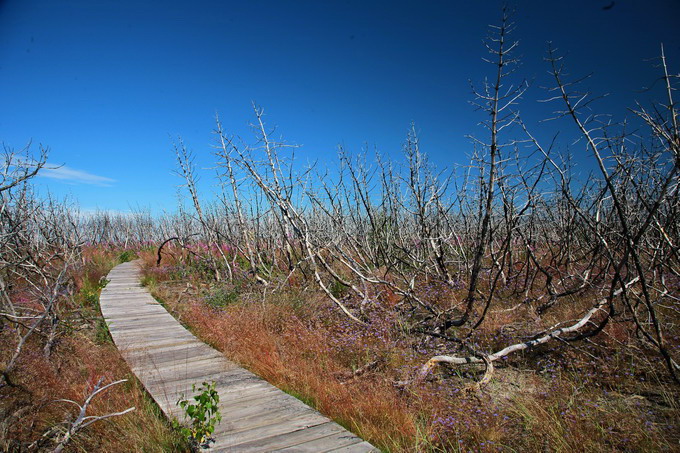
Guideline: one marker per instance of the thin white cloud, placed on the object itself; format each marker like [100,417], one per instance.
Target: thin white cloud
[67,174]
[94,212]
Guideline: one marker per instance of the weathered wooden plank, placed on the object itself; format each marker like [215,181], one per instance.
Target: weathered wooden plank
[252,391]
[257,416]
[257,406]
[361,447]
[174,390]
[143,346]
[271,420]
[169,360]
[194,362]
[316,445]
[339,438]
[179,372]
[219,377]
[159,356]
[232,439]
[292,440]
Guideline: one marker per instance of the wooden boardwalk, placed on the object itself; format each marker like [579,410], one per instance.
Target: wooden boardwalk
[168,359]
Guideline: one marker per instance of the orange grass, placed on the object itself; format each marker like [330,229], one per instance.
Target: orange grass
[283,350]
[76,366]
[558,398]
[82,355]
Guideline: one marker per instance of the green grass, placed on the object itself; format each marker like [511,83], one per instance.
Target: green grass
[126,256]
[221,297]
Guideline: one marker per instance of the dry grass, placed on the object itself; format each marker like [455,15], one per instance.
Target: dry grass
[77,365]
[582,397]
[83,354]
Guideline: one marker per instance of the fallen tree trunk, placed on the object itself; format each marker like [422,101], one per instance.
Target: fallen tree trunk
[174,238]
[489,359]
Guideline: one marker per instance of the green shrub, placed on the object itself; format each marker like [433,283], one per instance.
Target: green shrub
[101,334]
[203,415]
[242,262]
[126,256]
[89,292]
[221,297]
[148,281]
[337,289]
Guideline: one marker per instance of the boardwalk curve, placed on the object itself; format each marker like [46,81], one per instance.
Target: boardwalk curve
[168,359]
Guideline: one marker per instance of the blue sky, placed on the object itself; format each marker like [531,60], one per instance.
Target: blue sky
[107,84]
